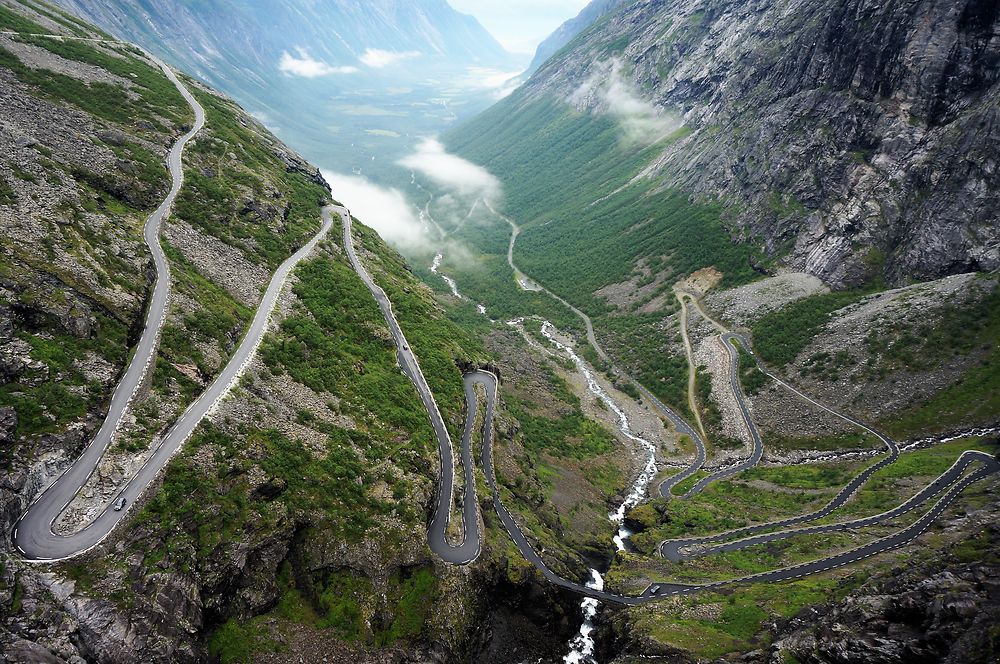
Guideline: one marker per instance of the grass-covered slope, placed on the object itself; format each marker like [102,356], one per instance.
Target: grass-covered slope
[248,202]
[591,223]
[364,416]
[569,179]
[86,129]
[311,486]
[301,506]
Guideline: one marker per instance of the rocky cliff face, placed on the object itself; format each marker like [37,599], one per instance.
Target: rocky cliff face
[944,617]
[853,139]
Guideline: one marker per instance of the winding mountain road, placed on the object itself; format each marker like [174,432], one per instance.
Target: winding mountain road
[949,485]
[673,549]
[684,549]
[729,340]
[33,535]
[34,538]
[469,549]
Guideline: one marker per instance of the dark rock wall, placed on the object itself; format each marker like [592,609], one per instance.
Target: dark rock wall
[853,139]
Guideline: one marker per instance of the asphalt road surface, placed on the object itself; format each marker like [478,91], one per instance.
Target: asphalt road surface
[757,451]
[469,548]
[32,535]
[673,549]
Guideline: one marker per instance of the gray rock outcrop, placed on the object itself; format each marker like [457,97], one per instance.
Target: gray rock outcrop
[852,139]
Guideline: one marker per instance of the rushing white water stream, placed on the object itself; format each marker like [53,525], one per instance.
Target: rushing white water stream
[641,485]
[452,284]
[448,280]
[936,440]
[582,645]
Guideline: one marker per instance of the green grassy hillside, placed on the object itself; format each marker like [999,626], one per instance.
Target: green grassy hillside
[571,181]
[567,178]
[83,169]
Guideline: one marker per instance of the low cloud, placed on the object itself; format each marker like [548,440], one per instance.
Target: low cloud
[608,90]
[308,67]
[377,58]
[455,174]
[500,83]
[261,116]
[460,188]
[384,209]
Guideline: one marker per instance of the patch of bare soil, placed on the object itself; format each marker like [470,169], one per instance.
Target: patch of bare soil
[741,306]
[876,397]
[700,282]
[699,328]
[576,498]
[637,293]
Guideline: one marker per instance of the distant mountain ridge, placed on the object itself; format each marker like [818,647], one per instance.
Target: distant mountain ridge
[565,33]
[337,79]
[254,34]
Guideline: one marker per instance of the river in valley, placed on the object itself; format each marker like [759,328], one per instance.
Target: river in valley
[582,645]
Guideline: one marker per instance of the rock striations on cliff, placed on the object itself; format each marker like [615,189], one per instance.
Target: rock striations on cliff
[853,139]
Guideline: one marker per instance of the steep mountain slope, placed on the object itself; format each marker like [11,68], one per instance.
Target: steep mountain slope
[570,29]
[674,137]
[86,131]
[296,515]
[343,78]
[853,140]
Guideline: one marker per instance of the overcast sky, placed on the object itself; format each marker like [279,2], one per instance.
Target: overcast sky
[520,24]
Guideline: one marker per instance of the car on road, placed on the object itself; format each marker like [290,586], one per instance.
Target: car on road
[119,504]
[654,590]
